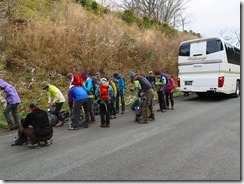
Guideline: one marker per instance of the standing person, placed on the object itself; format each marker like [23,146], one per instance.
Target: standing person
[162,84]
[56,99]
[169,93]
[146,87]
[13,100]
[151,79]
[77,97]
[75,79]
[104,92]
[121,92]
[89,87]
[40,129]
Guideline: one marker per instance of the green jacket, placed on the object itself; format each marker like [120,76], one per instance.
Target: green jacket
[160,82]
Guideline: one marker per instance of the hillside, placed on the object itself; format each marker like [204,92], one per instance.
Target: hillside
[44,40]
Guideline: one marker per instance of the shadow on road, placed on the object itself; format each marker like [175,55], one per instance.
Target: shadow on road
[208,97]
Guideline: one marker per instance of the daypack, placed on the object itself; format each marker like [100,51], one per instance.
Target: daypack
[104,91]
[115,87]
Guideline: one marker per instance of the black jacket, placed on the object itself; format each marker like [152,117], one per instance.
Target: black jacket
[39,120]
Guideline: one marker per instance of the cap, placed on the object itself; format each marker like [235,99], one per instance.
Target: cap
[44,85]
[150,72]
[97,74]
[84,75]
[33,104]
[103,79]
[132,74]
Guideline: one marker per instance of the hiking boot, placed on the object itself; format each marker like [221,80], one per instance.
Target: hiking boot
[85,125]
[103,125]
[48,142]
[167,108]
[159,110]
[36,145]
[73,128]
[113,117]
[122,112]
[60,123]
[107,125]
[163,110]
[152,117]
[15,127]
[142,122]
[9,126]
[91,122]
[172,108]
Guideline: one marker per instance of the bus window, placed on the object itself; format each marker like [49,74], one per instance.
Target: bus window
[214,46]
[184,50]
[230,53]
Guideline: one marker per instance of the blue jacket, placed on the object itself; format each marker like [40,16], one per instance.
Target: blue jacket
[76,93]
[165,87]
[121,85]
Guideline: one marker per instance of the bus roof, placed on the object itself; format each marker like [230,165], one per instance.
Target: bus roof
[206,39]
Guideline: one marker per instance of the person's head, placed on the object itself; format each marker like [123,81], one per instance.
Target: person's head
[116,75]
[98,76]
[157,74]
[33,106]
[150,73]
[84,76]
[45,85]
[69,76]
[133,76]
[103,80]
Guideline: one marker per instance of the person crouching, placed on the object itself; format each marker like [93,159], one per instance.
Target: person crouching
[41,129]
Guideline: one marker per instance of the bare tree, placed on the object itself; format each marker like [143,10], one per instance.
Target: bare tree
[165,11]
[232,36]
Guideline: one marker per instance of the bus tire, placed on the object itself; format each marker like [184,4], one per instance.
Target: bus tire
[237,92]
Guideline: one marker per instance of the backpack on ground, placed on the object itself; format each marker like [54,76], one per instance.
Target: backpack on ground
[104,91]
[21,137]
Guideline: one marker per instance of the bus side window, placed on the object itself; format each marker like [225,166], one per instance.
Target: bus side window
[184,50]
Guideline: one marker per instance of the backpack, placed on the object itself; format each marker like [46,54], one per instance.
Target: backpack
[104,91]
[115,87]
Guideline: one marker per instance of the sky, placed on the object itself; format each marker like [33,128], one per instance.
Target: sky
[210,17]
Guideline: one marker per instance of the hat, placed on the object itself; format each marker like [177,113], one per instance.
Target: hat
[84,75]
[44,85]
[104,80]
[69,75]
[150,72]
[33,104]
[132,74]
[97,74]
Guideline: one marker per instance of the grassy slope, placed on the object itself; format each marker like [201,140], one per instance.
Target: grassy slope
[47,39]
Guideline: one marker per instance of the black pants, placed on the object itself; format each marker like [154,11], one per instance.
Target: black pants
[105,113]
[58,107]
[169,96]
[118,99]
[77,110]
[112,107]
[161,100]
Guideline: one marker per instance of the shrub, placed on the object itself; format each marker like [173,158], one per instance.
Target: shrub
[94,6]
[129,17]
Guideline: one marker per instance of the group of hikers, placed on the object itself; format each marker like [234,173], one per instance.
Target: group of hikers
[85,91]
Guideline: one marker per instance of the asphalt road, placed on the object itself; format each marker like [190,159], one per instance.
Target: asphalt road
[199,140]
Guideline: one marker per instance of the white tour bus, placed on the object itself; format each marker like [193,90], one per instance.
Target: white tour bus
[209,65]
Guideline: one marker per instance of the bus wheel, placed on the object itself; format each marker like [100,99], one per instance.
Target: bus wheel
[237,92]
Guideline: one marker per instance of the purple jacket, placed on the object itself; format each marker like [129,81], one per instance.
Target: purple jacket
[12,96]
